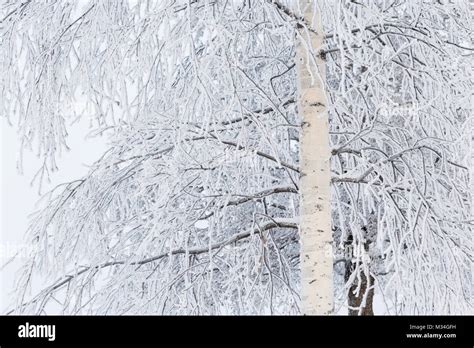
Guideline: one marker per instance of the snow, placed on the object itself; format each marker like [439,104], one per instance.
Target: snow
[200,129]
[202,224]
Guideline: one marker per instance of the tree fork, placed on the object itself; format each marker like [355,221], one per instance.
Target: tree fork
[355,300]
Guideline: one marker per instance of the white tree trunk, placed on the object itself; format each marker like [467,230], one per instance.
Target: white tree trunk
[315,224]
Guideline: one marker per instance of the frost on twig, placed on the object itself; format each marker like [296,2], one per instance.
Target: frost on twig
[197,100]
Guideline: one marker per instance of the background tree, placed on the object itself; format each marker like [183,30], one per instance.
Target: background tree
[398,85]
[194,209]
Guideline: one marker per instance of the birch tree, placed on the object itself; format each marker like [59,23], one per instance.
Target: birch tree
[204,196]
[315,190]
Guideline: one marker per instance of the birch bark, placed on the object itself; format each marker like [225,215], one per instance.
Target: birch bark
[315,225]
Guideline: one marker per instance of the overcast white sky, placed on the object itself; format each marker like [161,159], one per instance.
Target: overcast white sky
[18,197]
